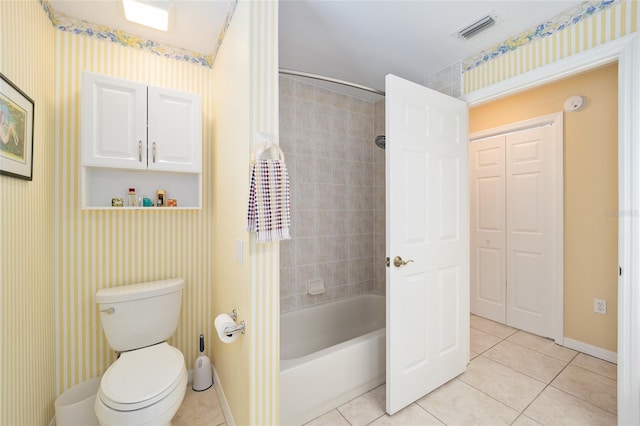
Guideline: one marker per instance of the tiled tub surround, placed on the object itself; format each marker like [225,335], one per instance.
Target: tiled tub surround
[328,141]
[379,205]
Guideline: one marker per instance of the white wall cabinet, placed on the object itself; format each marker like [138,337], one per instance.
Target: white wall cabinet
[130,127]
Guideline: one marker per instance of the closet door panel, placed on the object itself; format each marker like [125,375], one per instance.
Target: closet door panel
[529,229]
[487,192]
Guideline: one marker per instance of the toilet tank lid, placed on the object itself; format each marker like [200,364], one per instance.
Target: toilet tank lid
[139,291]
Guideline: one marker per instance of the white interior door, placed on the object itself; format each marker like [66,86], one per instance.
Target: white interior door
[488,233]
[531,225]
[516,225]
[427,224]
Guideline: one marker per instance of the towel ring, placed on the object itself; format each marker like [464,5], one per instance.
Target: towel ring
[265,149]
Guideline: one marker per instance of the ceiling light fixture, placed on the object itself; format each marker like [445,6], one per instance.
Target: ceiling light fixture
[477,27]
[154,14]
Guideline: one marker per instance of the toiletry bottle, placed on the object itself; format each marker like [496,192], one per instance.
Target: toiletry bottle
[133,201]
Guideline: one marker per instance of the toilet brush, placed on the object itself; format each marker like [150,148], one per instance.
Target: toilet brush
[202,379]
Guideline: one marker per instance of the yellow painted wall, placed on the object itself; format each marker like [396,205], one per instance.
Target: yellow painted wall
[246,87]
[231,109]
[27,329]
[590,193]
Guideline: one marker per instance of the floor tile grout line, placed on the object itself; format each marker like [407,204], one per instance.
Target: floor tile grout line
[491,334]
[546,385]
[583,400]
[521,372]
[544,353]
[430,413]
[490,396]
[490,347]
[563,391]
[343,416]
[591,371]
[516,343]
[577,396]
[525,373]
[567,363]
[379,417]
[499,325]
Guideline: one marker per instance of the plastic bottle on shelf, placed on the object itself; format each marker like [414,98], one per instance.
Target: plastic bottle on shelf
[133,201]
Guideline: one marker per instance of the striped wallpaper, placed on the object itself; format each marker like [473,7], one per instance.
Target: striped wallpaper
[265,263]
[27,333]
[614,22]
[246,96]
[104,248]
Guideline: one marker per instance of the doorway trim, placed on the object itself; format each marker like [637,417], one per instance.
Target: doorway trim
[625,50]
[556,120]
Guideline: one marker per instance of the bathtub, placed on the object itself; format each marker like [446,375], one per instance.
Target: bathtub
[330,354]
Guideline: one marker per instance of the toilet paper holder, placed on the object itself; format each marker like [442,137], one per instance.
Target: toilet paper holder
[238,328]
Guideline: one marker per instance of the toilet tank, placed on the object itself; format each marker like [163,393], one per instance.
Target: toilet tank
[138,315]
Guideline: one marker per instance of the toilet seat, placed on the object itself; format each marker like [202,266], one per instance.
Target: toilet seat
[142,377]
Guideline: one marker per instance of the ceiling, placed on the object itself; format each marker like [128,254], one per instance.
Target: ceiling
[358,41]
[194,25]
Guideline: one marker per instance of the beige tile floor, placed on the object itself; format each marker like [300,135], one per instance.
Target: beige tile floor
[199,409]
[514,378]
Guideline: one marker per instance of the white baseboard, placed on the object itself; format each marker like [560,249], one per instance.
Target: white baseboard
[591,350]
[224,404]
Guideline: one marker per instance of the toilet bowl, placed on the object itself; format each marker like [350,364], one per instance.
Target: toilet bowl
[148,381]
[143,387]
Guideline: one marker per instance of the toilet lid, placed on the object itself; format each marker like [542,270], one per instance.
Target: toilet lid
[141,377]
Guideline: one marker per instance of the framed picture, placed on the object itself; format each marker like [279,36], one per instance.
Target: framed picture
[16,131]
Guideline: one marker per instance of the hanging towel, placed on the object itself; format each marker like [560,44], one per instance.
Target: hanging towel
[269,213]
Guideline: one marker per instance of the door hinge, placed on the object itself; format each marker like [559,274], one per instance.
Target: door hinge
[619,271]
[388,262]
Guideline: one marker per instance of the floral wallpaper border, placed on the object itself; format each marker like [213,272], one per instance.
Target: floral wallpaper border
[80,27]
[545,29]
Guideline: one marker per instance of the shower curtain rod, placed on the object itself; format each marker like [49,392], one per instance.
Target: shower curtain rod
[331,80]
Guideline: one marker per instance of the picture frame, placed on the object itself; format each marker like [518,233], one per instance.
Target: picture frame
[16,131]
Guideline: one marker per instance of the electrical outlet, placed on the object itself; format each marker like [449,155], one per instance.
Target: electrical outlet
[599,306]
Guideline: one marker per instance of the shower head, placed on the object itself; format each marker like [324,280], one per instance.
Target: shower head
[381,141]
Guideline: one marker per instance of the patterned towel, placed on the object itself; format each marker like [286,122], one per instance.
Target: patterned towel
[269,213]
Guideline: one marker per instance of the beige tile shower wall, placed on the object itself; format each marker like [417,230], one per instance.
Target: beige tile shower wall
[328,139]
[379,203]
[27,332]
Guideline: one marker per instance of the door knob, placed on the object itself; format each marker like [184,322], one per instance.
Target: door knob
[398,262]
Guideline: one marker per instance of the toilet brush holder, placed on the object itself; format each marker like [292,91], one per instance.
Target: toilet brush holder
[202,378]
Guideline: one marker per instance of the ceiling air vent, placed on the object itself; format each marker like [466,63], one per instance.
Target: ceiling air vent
[477,27]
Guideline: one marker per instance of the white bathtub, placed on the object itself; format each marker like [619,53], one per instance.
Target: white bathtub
[329,354]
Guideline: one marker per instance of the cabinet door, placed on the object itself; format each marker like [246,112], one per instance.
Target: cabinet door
[113,120]
[175,132]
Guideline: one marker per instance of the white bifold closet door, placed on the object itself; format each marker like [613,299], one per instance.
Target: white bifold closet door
[513,223]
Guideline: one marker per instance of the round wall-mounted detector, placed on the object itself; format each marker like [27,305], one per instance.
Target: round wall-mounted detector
[574,103]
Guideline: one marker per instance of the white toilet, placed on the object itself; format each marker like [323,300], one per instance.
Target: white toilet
[147,383]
